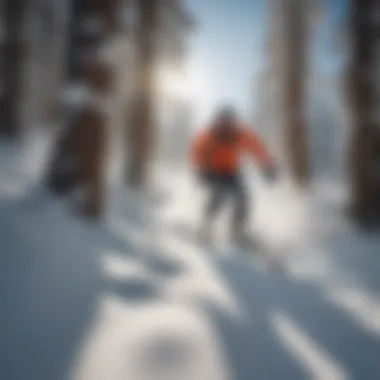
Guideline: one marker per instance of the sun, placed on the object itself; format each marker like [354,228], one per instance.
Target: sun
[175,83]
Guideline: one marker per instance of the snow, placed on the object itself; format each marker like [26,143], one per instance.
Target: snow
[130,298]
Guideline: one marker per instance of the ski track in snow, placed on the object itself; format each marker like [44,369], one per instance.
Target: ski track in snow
[164,308]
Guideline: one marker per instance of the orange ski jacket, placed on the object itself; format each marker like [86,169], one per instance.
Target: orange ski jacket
[210,154]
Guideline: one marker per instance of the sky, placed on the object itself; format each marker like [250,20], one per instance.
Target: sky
[227,50]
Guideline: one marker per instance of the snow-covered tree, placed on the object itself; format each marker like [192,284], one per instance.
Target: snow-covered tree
[79,156]
[363,81]
[12,58]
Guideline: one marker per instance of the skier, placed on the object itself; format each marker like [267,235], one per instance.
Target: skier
[215,155]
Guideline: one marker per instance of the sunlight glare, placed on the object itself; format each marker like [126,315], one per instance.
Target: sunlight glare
[176,84]
[187,84]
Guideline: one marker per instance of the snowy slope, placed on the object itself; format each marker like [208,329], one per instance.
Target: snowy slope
[132,298]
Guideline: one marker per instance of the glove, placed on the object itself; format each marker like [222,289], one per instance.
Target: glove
[270,172]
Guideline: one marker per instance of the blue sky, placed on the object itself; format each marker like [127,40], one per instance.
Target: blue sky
[325,55]
[227,49]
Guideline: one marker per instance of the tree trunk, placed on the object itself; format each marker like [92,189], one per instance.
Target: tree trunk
[365,146]
[80,151]
[12,64]
[53,66]
[295,13]
[62,174]
[141,129]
